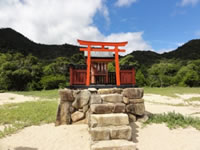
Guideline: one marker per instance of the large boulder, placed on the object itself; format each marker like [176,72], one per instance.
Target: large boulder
[81,99]
[133,93]
[136,109]
[66,95]
[112,98]
[76,116]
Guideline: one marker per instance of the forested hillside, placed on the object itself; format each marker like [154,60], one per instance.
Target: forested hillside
[26,65]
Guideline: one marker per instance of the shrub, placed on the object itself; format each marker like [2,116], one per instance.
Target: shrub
[52,81]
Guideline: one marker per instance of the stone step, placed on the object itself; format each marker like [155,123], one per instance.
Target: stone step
[114,145]
[107,108]
[103,120]
[111,132]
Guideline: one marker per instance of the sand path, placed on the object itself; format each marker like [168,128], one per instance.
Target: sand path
[7,98]
[160,137]
[163,104]
[49,137]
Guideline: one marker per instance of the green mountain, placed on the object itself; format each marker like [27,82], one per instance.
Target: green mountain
[188,51]
[12,41]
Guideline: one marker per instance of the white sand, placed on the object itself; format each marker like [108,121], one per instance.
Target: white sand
[7,98]
[76,137]
[49,137]
[160,137]
[180,99]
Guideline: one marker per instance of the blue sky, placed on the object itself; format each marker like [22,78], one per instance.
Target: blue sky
[166,23]
[158,25]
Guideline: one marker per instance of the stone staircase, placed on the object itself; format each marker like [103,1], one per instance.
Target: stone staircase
[111,132]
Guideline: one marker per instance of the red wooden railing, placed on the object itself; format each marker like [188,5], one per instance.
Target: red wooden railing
[78,77]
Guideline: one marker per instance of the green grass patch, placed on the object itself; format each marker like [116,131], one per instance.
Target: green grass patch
[18,116]
[44,94]
[193,99]
[174,120]
[171,91]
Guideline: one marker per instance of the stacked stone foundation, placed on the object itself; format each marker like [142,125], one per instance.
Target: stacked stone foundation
[108,112]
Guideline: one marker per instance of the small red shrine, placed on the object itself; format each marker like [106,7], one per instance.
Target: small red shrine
[96,73]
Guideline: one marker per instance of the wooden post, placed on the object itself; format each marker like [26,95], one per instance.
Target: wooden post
[71,75]
[133,74]
[117,66]
[88,66]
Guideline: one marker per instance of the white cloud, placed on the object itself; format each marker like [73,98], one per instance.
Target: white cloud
[189,2]
[63,21]
[121,3]
[135,41]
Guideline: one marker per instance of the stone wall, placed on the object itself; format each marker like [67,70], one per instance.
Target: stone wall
[108,112]
[76,105]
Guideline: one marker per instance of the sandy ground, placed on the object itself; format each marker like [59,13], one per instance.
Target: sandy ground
[7,98]
[49,137]
[160,137]
[163,104]
[76,137]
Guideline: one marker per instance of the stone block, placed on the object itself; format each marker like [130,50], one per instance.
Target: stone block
[136,109]
[66,95]
[121,132]
[143,118]
[102,120]
[112,98]
[119,108]
[110,91]
[85,108]
[105,91]
[135,101]
[99,133]
[133,93]
[95,99]
[132,118]
[76,116]
[102,108]
[63,114]
[81,99]
[114,145]
[125,100]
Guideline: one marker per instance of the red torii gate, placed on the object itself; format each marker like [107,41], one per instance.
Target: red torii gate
[89,48]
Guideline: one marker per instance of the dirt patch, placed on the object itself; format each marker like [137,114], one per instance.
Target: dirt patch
[7,98]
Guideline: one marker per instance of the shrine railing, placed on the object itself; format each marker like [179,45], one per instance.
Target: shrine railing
[78,76]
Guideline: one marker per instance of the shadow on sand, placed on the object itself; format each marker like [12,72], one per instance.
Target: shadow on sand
[25,148]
